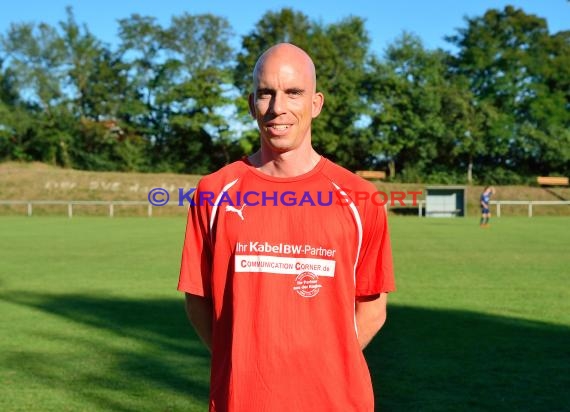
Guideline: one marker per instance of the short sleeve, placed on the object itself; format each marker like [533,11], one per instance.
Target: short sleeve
[375,270]
[196,265]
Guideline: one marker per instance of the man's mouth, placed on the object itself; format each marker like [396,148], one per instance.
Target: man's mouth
[279,127]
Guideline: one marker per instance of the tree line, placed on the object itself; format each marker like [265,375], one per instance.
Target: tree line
[174,98]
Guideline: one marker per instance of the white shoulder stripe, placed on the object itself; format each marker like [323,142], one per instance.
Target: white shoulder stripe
[217,201]
[358,221]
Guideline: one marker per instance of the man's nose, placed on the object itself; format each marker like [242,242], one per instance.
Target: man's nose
[279,103]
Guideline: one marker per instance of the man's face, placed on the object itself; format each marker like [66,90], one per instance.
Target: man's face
[284,102]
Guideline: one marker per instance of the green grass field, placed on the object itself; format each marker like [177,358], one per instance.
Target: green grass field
[91,320]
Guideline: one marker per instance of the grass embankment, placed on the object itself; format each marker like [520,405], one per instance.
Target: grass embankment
[91,320]
[35,181]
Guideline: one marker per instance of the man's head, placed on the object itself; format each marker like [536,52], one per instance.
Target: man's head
[284,99]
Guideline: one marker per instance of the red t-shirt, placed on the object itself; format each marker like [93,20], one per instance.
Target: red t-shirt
[282,260]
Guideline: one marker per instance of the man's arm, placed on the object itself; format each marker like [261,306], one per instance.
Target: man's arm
[370,316]
[200,312]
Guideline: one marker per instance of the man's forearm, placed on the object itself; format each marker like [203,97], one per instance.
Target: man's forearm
[370,317]
[200,312]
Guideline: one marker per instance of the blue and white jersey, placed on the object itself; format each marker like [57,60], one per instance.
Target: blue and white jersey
[485,197]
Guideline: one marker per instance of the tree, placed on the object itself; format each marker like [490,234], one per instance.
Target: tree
[96,80]
[182,75]
[10,145]
[407,92]
[467,123]
[516,67]
[201,95]
[101,101]
[35,54]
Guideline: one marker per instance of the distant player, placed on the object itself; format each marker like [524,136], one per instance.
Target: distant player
[485,212]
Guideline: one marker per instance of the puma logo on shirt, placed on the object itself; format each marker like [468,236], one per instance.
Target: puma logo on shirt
[238,211]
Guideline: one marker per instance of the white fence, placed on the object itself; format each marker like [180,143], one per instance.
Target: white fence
[112,203]
[499,203]
[70,203]
[528,203]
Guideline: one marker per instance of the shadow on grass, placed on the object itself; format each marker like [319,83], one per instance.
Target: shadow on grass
[450,360]
[135,349]
[423,360]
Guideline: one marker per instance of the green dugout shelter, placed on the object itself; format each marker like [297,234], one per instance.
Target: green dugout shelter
[446,201]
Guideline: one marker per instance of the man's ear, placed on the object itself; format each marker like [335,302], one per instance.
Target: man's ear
[318,101]
[251,103]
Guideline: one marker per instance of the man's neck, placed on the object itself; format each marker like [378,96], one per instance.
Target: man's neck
[288,164]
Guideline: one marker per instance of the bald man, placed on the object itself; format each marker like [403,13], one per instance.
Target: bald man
[285,272]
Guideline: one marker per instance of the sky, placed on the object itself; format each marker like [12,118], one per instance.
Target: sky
[385,20]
